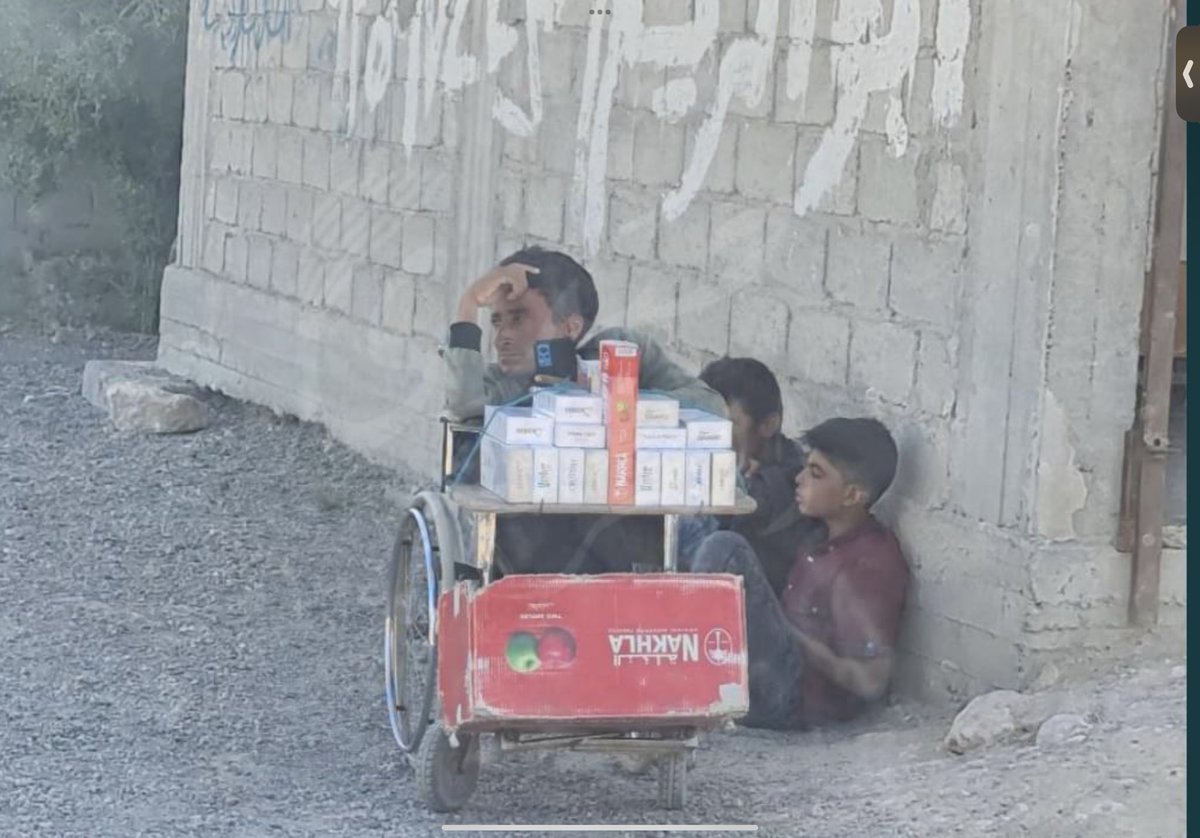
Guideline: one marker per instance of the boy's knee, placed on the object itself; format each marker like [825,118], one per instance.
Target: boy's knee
[719,551]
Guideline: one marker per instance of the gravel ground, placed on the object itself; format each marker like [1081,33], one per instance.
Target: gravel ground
[190,630]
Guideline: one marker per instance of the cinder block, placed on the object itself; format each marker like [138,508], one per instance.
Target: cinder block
[256,97]
[237,254]
[344,158]
[418,242]
[295,48]
[310,278]
[612,287]
[738,238]
[666,13]
[299,215]
[316,161]
[332,114]
[227,201]
[290,150]
[233,94]
[839,188]
[858,266]
[437,183]
[443,241]
[559,54]
[266,152]
[795,255]
[339,285]
[633,214]
[652,301]
[404,181]
[356,228]
[937,370]
[427,129]
[279,102]
[657,151]
[733,16]
[685,240]
[285,269]
[921,475]
[213,257]
[250,204]
[258,273]
[759,325]
[815,104]
[274,210]
[883,359]
[620,145]
[545,197]
[511,198]
[376,162]
[636,86]
[918,103]
[704,315]
[386,238]
[430,308]
[218,147]
[322,41]
[723,167]
[888,185]
[555,136]
[241,148]
[399,299]
[949,211]
[765,167]
[818,346]
[327,222]
[306,101]
[367,294]
[927,279]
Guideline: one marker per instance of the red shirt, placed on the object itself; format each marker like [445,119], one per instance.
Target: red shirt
[870,576]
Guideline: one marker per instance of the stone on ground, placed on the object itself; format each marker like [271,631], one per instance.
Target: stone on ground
[1063,729]
[995,718]
[137,396]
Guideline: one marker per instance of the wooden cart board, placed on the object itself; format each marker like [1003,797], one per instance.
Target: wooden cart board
[478,499]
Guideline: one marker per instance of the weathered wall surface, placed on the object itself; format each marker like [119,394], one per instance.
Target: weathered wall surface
[932,211]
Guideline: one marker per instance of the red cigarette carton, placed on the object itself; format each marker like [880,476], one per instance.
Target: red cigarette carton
[556,651]
[618,390]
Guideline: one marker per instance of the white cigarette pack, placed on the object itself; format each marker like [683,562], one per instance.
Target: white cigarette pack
[648,485]
[506,470]
[595,476]
[706,430]
[545,474]
[589,375]
[724,478]
[660,438]
[657,411]
[518,426]
[578,436]
[570,475]
[575,406]
[673,478]
[699,478]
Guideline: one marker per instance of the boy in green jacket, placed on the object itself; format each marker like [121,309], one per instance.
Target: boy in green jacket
[533,295]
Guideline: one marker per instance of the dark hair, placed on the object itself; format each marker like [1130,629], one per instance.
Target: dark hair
[564,283]
[861,449]
[747,381]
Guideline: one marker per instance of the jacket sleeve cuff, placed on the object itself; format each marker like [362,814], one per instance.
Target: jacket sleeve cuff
[465,336]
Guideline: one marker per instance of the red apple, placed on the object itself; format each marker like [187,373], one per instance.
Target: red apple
[556,648]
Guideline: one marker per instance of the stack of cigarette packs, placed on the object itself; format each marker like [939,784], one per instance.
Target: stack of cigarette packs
[611,445]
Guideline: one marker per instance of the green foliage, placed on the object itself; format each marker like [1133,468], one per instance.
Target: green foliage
[97,86]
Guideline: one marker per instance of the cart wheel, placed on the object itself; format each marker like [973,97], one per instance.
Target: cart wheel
[429,542]
[447,775]
[672,781]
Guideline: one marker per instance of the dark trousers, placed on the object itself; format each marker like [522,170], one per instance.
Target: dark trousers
[776,661]
[578,543]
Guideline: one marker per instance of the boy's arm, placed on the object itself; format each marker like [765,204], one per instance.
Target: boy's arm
[470,383]
[659,372]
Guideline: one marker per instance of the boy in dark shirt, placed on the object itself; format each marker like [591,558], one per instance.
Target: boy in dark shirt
[768,462]
[823,651]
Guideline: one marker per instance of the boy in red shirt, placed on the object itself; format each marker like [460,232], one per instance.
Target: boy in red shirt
[823,650]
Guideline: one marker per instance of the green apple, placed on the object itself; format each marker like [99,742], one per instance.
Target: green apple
[522,652]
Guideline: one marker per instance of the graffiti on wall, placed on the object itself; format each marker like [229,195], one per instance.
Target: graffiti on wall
[244,24]
[870,52]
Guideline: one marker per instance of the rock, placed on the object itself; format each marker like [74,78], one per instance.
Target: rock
[1048,677]
[996,717]
[1063,729]
[137,396]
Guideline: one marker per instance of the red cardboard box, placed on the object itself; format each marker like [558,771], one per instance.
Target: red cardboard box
[618,390]
[553,651]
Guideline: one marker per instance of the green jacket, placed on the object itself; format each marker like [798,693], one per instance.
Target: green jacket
[470,383]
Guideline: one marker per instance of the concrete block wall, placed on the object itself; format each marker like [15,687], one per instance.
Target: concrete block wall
[887,202]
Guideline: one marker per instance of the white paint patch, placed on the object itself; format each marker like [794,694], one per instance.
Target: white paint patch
[1061,489]
[802,26]
[953,33]
[673,100]
[862,66]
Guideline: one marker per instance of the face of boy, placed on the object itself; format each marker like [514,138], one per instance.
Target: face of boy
[518,324]
[822,491]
